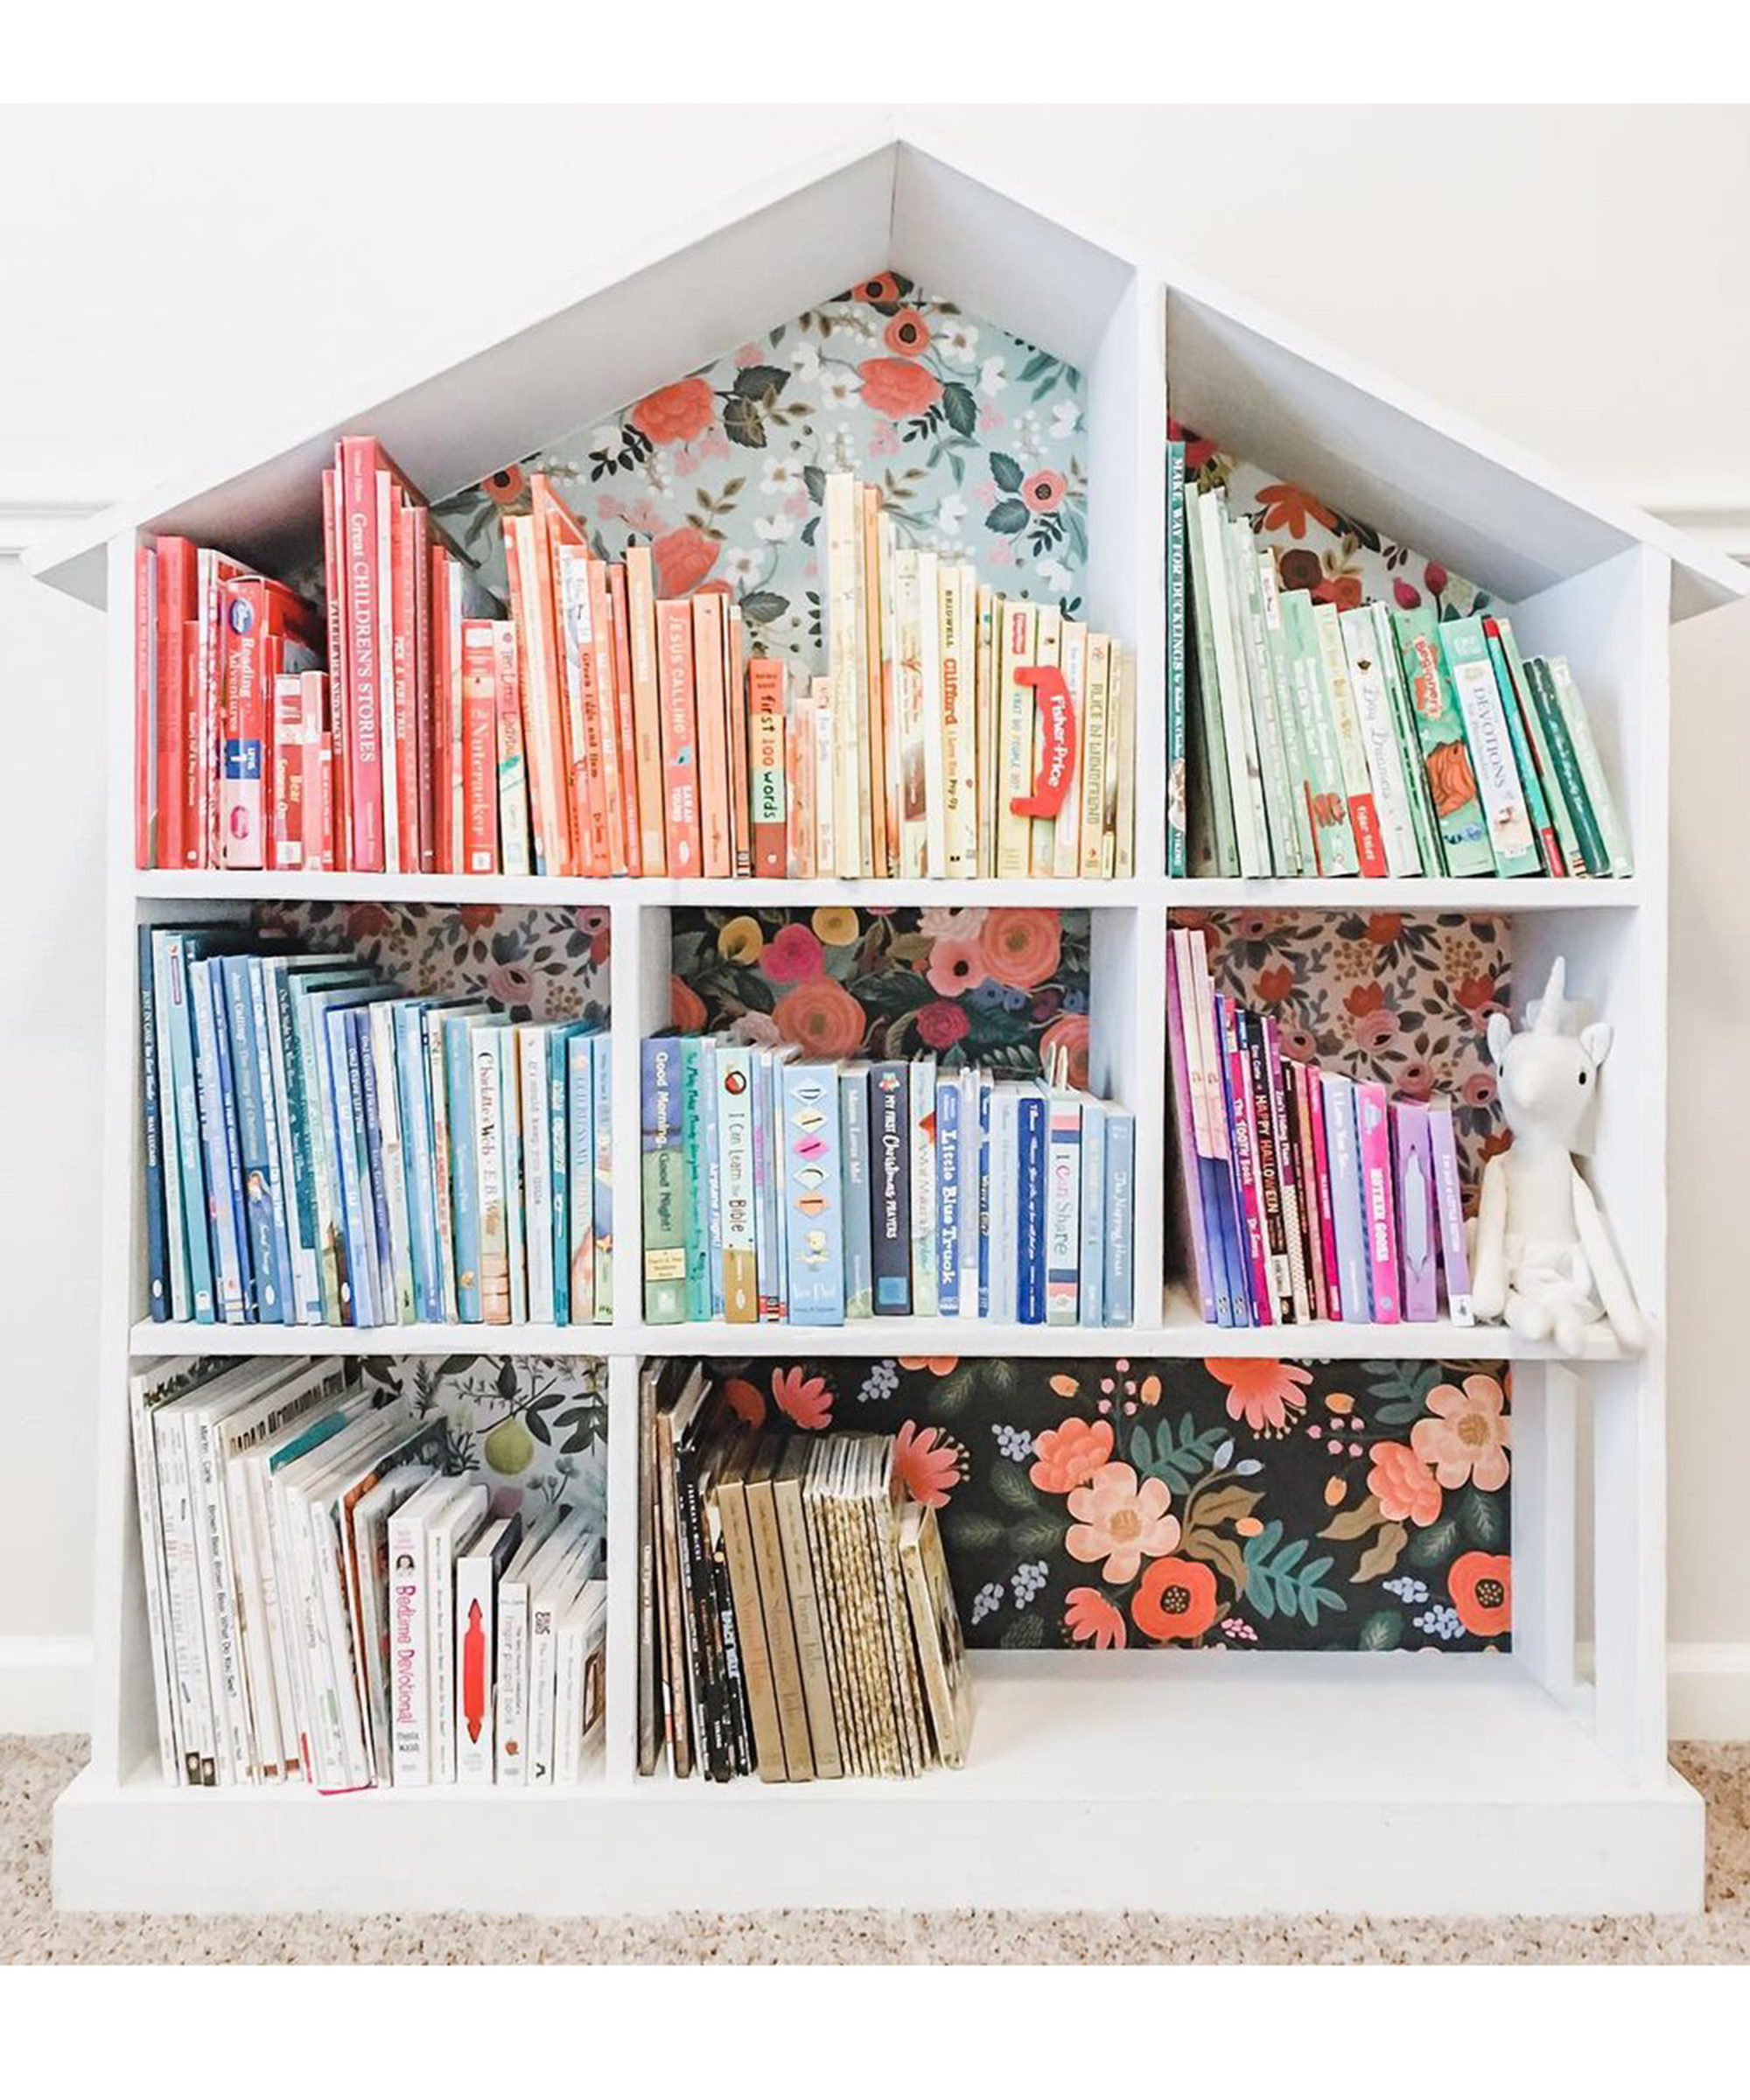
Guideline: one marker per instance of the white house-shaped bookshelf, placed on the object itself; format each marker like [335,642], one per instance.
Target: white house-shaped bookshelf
[1487,1783]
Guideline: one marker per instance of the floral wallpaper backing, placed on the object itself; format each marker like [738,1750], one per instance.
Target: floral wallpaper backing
[974,437]
[540,964]
[1003,988]
[1235,1503]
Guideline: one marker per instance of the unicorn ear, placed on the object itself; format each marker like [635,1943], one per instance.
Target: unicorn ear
[1500,1035]
[1596,1041]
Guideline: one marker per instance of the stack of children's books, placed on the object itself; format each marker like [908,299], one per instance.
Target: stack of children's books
[418,724]
[1306,1195]
[795,1616]
[326,1605]
[1373,740]
[320,1148]
[777,1188]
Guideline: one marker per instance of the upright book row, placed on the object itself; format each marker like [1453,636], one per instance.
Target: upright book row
[1307,1196]
[320,1149]
[780,1189]
[1375,740]
[795,1618]
[327,1605]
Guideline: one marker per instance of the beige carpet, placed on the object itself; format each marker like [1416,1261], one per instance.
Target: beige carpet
[34,1769]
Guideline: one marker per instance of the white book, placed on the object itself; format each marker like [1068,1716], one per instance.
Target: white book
[1091,732]
[547,1603]
[1016,709]
[144,1397]
[580,1670]
[934,721]
[1346,722]
[1379,738]
[909,727]
[450,1533]
[1066,830]
[532,1041]
[1047,649]
[1005,1221]
[826,793]
[478,1572]
[1118,849]
[984,712]
[957,592]
[1062,1207]
[1245,778]
[552,1539]
[845,656]
[410,1742]
[370,1553]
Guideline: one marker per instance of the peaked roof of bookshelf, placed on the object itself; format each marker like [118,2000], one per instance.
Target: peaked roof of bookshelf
[893,196]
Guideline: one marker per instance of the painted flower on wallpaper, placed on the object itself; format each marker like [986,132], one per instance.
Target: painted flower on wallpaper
[823,1019]
[1262,1393]
[1480,1586]
[1120,1519]
[807,1401]
[722,471]
[1468,1434]
[1070,1454]
[1403,1485]
[1088,1617]
[929,1463]
[1175,1600]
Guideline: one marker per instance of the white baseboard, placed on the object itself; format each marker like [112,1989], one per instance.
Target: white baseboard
[1709,1688]
[45,1685]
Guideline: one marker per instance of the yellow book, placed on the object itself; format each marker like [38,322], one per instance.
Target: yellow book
[1066,830]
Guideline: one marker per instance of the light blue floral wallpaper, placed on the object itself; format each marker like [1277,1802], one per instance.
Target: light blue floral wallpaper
[974,438]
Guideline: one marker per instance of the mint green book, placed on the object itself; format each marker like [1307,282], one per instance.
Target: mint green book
[1409,746]
[1446,759]
[1178,781]
[1260,689]
[1333,836]
[699,1098]
[1610,824]
[1489,736]
[1263,613]
[1561,813]
[1589,840]
[1524,754]
[1208,749]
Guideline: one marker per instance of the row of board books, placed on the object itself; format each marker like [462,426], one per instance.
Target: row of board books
[1375,740]
[780,1188]
[320,1149]
[1307,1194]
[795,1617]
[328,1605]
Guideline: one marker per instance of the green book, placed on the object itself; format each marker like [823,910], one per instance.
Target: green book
[1208,748]
[1592,769]
[1592,852]
[1561,816]
[1253,655]
[1177,771]
[1409,746]
[1333,835]
[1489,735]
[1524,757]
[663,1164]
[1439,730]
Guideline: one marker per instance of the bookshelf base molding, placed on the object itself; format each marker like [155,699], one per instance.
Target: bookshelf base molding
[1205,1785]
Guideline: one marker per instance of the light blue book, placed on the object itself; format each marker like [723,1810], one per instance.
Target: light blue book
[580,1258]
[1342,1145]
[222,1161]
[781,1217]
[601,1185]
[949,1196]
[371,1028]
[559,1169]
[357,1215]
[270,1082]
[232,1220]
[384,1103]
[510,1127]
[465,1164]
[413,1100]
[268,1264]
[710,1095]
[1005,1210]
[1093,1265]
[853,1138]
[185,1165]
[312,1001]
[1120,1163]
[813,1195]
[698,1112]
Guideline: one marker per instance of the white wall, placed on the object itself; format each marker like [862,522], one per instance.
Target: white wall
[1558,273]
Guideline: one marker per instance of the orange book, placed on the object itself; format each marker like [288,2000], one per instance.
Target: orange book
[740,809]
[556,528]
[176,588]
[716,855]
[625,730]
[607,727]
[423,722]
[799,801]
[581,667]
[437,602]
[403,663]
[647,708]
[538,678]
[315,765]
[513,789]
[766,764]
[479,701]
[333,547]
[878,726]
[680,736]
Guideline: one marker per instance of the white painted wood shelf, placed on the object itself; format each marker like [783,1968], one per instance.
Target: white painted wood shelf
[1199,1782]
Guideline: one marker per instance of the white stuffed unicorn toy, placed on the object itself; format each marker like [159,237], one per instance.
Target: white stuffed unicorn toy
[1544,1256]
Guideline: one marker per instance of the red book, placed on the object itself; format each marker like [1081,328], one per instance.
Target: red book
[175,568]
[766,764]
[333,543]
[608,717]
[266,630]
[363,761]
[423,721]
[581,664]
[146,705]
[625,718]
[285,828]
[717,857]
[479,697]
[438,738]
[680,735]
[213,571]
[403,666]
[512,773]
[740,817]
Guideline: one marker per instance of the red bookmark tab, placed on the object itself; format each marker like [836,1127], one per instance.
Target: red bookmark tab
[1057,755]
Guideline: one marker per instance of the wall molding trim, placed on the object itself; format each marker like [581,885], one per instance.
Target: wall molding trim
[45,1684]
[1726,528]
[25,521]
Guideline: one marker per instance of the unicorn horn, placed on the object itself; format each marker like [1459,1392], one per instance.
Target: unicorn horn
[1551,1006]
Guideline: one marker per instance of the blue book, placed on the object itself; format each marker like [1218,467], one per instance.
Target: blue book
[711,1191]
[986,1092]
[559,1168]
[188,1206]
[351,1142]
[158,1294]
[698,1113]
[375,1161]
[1029,1149]
[464,1162]
[1092,1310]
[510,1145]
[270,1286]
[813,1194]
[1121,1161]
[1005,1237]
[1342,1145]
[949,1196]
[853,1161]
[312,1001]
[224,1198]
[601,1180]
[413,1084]
[890,1221]
[580,1244]
[282,1207]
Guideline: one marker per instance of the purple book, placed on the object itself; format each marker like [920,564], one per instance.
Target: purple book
[1449,1203]
[1190,1172]
[1413,1150]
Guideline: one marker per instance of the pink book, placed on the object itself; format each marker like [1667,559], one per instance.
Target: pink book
[1449,1203]
[1413,1150]
[718,849]
[1288,1171]
[1378,1225]
[680,734]
[1245,1167]
[1189,1159]
[1306,1163]
[1327,1216]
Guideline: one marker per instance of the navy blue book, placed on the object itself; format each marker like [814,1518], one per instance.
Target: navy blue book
[1030,1119]
[890,1186]
[157,1236]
